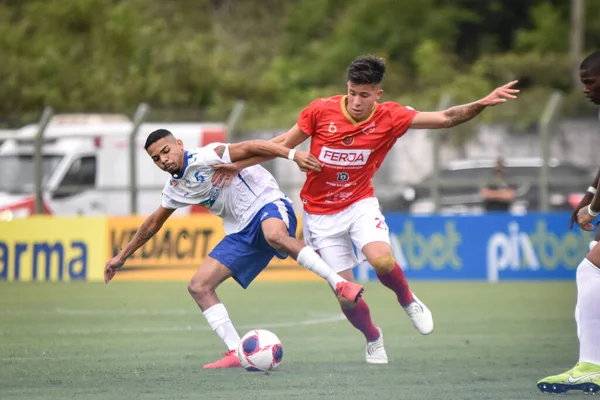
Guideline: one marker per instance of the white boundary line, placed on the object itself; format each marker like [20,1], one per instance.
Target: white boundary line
[291,324]
[189,328]
[134,311]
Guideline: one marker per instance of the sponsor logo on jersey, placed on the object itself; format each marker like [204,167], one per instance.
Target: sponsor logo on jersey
[369,128]
[212,197]
[344,156]
[348,140]
[343,176]
[174,182]
[199,178]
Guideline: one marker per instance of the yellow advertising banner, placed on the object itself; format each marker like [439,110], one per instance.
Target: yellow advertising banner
[179,248]
[47,248]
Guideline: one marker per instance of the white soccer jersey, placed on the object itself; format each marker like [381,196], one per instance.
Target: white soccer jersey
[237,203]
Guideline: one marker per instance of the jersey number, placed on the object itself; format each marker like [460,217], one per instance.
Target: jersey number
[332,128]
[381,224]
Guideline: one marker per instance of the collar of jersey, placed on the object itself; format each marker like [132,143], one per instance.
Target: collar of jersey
[349,117]
[186,158]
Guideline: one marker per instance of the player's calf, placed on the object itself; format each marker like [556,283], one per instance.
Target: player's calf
[392,277]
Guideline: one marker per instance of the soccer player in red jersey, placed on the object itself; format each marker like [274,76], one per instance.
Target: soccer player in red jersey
[351,135]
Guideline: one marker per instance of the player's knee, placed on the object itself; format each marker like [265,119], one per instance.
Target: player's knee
[199,289]
[383,264]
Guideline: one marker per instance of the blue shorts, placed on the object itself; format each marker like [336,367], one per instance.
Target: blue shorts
[246,253]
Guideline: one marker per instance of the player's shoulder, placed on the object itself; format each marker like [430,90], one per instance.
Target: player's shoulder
[208,151]
[326,102]
[170,186]
[392,106]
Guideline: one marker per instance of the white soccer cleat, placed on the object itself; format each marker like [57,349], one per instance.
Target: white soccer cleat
[375,351]
[420,316]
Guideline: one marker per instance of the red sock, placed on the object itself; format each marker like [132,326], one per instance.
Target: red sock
[360,317]
[396,281]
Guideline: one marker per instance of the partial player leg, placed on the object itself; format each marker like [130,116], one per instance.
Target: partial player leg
[202,288]
[328,235]
[279,234]
[585,376]
[358,314]
[379,255]
[370,234]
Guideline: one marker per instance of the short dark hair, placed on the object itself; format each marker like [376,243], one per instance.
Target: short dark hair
[591,62]
[366,70]
[156,136]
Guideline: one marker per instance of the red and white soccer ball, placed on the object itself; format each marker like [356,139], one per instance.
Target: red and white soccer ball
[260,350]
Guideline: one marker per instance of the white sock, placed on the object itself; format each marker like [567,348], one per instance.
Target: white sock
[587,312]
[219,321]
[592,244]
[310,260]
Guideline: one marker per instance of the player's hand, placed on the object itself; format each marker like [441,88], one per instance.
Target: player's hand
[111,267]
[584,202]
[500,95]
[584,219]
[225,174]
[307,162]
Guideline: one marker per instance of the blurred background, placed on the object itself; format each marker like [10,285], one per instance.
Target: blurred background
[83,82]
[251,66]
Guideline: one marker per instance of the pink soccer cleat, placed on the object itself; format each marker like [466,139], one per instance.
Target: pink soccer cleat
[229,360]
[349,290]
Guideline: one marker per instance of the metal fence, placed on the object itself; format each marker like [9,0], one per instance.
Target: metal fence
[403,175]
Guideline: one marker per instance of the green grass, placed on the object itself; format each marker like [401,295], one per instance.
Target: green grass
[148,341]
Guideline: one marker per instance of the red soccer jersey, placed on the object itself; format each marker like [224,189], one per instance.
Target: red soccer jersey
[350,152]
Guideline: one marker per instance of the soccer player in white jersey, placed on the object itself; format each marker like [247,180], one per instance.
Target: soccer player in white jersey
[585,375]
[258,219]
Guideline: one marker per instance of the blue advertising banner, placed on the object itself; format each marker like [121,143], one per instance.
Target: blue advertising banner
[493,247]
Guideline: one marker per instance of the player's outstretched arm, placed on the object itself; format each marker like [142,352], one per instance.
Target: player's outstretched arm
[226,172]
[149,227]
[289,139]
[249,148]
[239,165]
[463,113]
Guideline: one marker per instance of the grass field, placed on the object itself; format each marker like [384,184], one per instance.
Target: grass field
[148,341]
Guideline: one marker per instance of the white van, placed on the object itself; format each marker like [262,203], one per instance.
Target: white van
[92,153]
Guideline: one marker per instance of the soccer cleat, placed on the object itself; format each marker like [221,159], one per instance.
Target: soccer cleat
[420,316]
[229,360]
[375,352]
[349,290]
[584,376]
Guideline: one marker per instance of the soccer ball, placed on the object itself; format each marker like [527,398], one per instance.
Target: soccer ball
[260,350]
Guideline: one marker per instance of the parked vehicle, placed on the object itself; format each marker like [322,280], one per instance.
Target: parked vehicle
[462,180]
[86,166]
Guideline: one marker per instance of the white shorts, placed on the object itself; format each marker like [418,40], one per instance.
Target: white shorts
[333,235]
